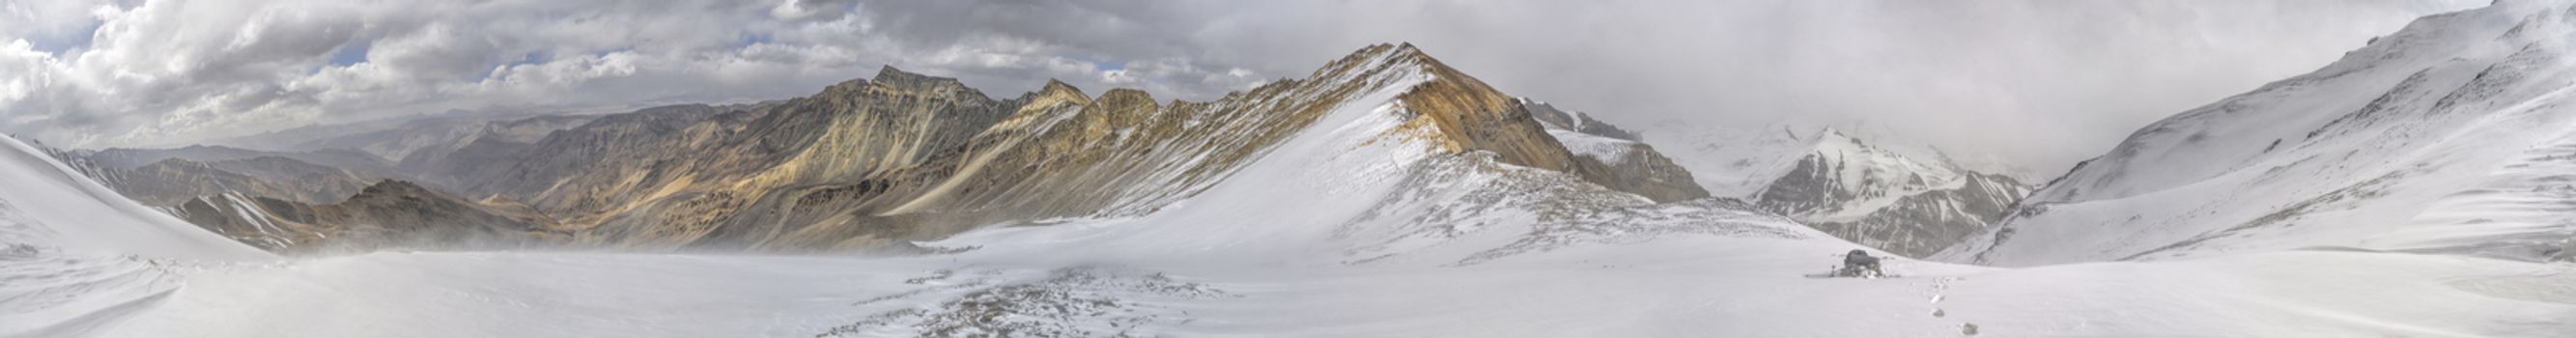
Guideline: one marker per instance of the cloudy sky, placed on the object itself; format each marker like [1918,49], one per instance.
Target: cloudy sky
[2041,83]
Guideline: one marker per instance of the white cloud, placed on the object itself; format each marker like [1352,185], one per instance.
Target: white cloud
[164,73]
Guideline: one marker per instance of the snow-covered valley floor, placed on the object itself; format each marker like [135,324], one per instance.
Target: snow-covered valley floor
[1707,287]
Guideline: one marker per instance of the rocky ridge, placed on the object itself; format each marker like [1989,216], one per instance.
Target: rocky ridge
[878,163]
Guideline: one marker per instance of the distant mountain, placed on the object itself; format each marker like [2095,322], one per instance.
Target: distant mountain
[386,215]
[425,140]
[1880,198]
[2450,135]
[176,180]
[166,177]
[1600,147]
[363,135]
[1909,200]
[130,158]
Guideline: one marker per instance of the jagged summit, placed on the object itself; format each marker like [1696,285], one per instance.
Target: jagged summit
[1055,92]
[893,80]
[1055,87]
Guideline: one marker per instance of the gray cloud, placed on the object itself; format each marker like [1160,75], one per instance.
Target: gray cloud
[162,73]
[2033,83]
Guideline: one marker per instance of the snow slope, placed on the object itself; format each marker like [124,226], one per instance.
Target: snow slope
[74,255]
[53,204]
[1352,227]
[2447,136]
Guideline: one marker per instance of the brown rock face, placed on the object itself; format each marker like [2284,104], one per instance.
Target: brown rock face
[1475,117]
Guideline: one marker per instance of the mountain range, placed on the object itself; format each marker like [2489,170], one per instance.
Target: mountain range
[2418,187]
[869,164]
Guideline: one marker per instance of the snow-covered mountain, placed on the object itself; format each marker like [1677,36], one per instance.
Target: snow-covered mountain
[1887,200]
[1354,228]
[2449,136]
[1387,214]
[1909,200]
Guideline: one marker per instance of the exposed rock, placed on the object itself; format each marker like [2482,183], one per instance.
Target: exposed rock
[1578,122]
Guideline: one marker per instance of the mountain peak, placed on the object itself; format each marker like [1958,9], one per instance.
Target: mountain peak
[1831,136]
[888,72]
[897,80]
[1126,96]
[1058,92]
[1054,86]
[1407,50]
[888,75]
[1381,56]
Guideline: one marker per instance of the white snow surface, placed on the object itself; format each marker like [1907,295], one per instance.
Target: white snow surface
[2449,136]
[1348,229]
